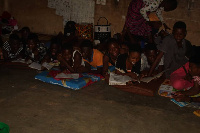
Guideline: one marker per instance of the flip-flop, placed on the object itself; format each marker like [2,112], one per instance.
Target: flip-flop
[197,113]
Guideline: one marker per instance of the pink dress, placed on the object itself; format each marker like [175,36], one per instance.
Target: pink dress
[177,78]
[137,16]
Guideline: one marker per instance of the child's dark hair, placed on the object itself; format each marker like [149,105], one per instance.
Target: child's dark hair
[25,29]
[87,43]
[67,46]
[14,37]
[179,25]
[135,48]
[195,59]
[111,41]
[33,37]
[128,44]
[56,41]
[150,46]
[69,27]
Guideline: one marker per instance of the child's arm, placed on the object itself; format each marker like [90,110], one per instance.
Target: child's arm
[84,69]
[77,61]
[134,76]
[192,91]
[36,54]
[62,67]
[20,55]
[185,95]
[184,98]
[65,63]
[105,65]
[160,68]
[156,62]
[5,55]
[46,59]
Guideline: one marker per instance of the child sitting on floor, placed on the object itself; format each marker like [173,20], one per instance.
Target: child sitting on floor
[24,32]
[111,55]
[194,71]
[92,58]
[12,49]
[130,64]
[148,58]
[173,48]
[50,59]
[35,51]
[70,59]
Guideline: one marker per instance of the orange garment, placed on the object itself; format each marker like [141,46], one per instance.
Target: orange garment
[96,59]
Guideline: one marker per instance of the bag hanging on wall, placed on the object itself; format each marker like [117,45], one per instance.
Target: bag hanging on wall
[102,32]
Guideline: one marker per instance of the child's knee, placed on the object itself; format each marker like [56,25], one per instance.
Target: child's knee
[178,84]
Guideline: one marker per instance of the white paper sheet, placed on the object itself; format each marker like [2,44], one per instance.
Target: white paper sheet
[19,60]
[35,65]
[47,65]
[68,76]
[148,79]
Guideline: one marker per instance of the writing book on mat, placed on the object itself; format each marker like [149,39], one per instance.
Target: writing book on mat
[116,79]
[149,79]
[67,76]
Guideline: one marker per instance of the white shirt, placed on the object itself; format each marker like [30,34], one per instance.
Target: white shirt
[145,65]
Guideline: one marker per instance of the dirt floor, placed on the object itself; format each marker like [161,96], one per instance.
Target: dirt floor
[31,106]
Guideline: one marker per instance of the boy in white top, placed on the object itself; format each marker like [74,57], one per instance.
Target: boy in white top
[149,57]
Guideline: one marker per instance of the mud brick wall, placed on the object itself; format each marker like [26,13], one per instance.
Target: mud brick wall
[116,16]
[34,14]
[41,19]
[190,16]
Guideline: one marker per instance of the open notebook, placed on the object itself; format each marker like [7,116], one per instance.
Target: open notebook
[148,79]
[116,79]
[38,66]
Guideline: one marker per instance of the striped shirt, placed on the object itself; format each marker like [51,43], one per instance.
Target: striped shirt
[6,47]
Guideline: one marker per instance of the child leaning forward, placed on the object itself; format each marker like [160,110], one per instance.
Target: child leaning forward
[130,64]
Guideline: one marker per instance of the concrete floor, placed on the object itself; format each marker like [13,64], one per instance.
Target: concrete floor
[31,106]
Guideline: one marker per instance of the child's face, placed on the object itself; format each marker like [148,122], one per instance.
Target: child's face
[54,49]
[86,52]
[194,70]
[179,34]
[67,54]
[15,44]
[133,57]
[25,34]
[31,44]
[113,49]
[124,49]
[151,56]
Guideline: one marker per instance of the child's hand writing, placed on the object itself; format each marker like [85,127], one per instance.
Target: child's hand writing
[181,98]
